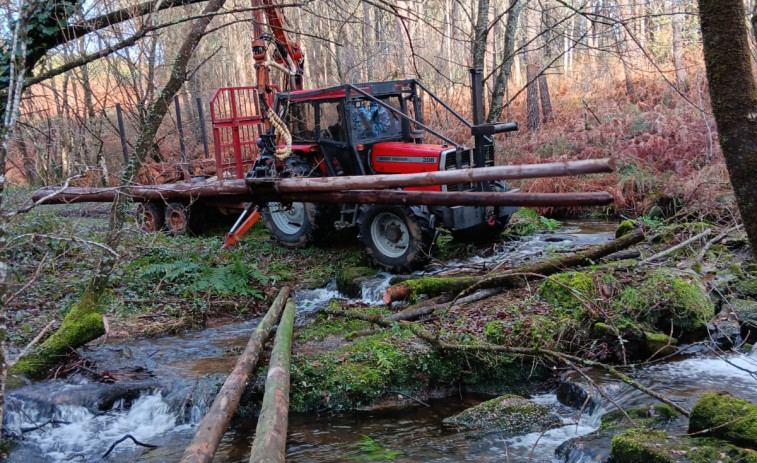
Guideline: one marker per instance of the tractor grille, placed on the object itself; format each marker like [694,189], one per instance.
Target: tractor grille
[449,162]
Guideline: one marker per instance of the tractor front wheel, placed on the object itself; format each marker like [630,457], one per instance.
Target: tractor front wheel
[397,237]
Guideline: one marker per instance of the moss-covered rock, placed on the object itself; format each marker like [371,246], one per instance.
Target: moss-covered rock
[568,291]
[372,369]
[670,297]
[648,446]
[508,414]
[747,287]
[659,344]
[746,311]
[653,417]
[726,417]
[625,227]
[349,280]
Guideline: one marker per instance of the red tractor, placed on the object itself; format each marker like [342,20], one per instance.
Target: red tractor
[376,128]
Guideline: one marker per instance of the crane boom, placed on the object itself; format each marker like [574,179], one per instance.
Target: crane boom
[274,49]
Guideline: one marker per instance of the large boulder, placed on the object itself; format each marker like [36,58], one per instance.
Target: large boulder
[648,446]
[508,414]
[746,312]
[726,417]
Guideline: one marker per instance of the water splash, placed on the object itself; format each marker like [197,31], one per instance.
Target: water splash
[88,434]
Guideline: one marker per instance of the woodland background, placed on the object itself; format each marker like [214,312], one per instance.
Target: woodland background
[583,78]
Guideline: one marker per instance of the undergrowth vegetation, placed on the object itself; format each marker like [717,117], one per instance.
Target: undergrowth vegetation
[665,148]
[161,283]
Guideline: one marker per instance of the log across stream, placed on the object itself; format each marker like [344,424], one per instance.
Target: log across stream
[164,408]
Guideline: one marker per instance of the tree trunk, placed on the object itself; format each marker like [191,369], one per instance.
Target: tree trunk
[508,53]
[217,419]
[733,94]
[532,89]
[269,445]
[677,46]
[480,33]
[546,103]
[84,322]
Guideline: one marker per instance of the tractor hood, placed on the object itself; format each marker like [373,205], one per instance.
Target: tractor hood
[405,158]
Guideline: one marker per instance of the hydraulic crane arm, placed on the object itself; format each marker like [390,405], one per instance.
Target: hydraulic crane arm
[274,50]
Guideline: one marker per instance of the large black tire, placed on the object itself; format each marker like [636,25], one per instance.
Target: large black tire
[298,225]
[151,216]
[177,219]
[398,238]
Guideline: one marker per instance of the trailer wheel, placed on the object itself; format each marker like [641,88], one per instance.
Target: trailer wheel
[177,219]
[150,216]
[397,237]
[298,225]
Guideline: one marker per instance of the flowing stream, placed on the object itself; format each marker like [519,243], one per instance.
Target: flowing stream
[176,377]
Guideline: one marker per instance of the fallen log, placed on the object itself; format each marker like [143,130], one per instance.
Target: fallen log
[269,445]
[443,177]
[436,285]
[216,420]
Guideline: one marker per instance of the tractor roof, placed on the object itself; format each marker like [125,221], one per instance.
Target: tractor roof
[376,89]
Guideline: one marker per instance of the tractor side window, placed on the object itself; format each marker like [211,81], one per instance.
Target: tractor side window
[371,120]
[302,122]
[332,126]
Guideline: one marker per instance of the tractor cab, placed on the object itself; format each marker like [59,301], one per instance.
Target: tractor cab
[341,125]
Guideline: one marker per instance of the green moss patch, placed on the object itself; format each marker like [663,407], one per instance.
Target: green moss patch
[625,227]
[647,446]
[350,280]
[373,368]
[645,417]
[726,417]
[568,291]
[659,344]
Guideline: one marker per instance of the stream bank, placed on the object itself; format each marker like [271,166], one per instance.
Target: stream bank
[380,367]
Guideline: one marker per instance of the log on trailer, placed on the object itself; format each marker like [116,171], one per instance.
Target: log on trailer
[216,420]
[235,190]
[264,186]
[360,189]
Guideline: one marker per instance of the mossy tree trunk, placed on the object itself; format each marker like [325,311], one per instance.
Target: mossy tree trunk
[733,94]
[84,321]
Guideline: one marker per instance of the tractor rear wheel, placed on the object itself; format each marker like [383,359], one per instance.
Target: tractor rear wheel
[177,219]
[399,238]
[298,225]
[150,216]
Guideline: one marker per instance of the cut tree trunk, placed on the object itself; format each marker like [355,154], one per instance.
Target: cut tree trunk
[269,445]
[433,286]
[216,420]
